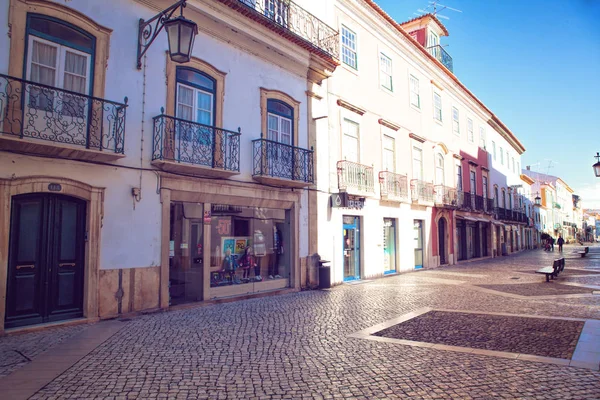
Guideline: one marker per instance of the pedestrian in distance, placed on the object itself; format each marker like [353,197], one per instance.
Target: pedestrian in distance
[552,242]
[560,242]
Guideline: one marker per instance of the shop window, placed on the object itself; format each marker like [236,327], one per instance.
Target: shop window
[249,246]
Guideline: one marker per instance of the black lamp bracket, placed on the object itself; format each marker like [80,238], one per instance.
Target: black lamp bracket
[148,32]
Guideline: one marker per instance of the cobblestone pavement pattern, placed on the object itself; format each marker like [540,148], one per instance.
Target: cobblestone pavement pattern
[539,289]
[296,346]
[541,337]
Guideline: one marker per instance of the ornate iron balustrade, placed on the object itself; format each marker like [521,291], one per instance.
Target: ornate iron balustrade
[354,176]
[442,56]
[421,191]
[479,203]
[500,213]
[184,141]
[294,19]
[489,203]
[468,201]
[33,110]
[446,196]
[281,160]
[393,186]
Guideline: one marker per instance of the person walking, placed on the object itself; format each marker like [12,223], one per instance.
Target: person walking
[552,243]
[560,242]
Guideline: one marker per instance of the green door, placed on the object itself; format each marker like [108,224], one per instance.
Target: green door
[46,255]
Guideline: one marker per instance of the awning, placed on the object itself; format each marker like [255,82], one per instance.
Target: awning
[467,218]
[497,223]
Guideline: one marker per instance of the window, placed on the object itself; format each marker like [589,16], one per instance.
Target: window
[417,163]
[350,145]
[470,134]
[509,201]
[482,137]
[389,158]
[518,168]
[501,156]
[385,66]
[495,196]
[415,100]
[437,106]
[513,165]
[459,178]
[455,124]
[473,182]
[59,56]
[278,11]
[503,199]
[485,187]
[279,122]
[195,96]
[439,169]
[494,149]
[349,47]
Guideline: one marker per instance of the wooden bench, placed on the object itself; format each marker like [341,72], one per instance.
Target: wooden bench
[557,267]
[583,252]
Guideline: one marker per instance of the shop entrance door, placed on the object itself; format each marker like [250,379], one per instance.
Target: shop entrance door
[351,248]
[46,257]
[418,231]
[442,240]
[389,245]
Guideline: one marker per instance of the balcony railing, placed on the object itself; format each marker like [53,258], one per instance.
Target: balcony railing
[479,203]
[468,201]
[36,111]
[489,206]
[445,196]
[281,160]
[393,186]
[421,191]
[294,20]
[180,141]
[353,177]
[442,56]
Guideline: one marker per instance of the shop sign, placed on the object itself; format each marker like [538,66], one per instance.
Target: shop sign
[54,187]
[345,200]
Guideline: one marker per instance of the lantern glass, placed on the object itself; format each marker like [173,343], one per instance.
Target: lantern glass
[597,169]
[538,200]
[181,33]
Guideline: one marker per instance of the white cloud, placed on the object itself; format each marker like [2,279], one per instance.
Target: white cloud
[590,195]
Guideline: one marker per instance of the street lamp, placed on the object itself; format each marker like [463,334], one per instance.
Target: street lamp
[597,165]
[181,33]
[538,199]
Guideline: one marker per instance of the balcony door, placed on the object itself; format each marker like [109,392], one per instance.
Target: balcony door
[439,178]
[46,257]
[59,62]
[194,136]
[280,135]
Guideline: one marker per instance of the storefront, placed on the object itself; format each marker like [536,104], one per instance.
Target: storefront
[227,245]
[351,246]
[389,246]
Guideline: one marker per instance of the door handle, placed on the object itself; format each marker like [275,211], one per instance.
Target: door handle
[66,264]
[32,266]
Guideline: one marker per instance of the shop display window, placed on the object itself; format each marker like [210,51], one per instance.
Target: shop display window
[248,245]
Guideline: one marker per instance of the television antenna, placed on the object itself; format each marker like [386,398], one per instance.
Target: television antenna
[434,8]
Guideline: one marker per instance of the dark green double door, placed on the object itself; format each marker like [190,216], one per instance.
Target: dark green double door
[46,256]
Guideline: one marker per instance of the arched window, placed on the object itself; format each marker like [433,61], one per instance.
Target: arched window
[496,196]
[59,55]
[439,169]
[280,117]
[195,99]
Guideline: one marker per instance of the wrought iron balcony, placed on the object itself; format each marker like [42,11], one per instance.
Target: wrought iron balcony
[468,201]
[282,164]
[393,186]
[185,146]
[421,191]
[500,213]
[355,178]
[479,203]
[47,120]
[442,56]
[489,206]
[445,196]
[292,21]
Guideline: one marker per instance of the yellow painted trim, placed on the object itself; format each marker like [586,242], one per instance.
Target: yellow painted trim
[17,19]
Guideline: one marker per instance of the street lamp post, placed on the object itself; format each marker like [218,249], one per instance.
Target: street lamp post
[181,33]
[597,165]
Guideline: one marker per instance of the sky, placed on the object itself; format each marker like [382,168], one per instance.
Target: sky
[536,65]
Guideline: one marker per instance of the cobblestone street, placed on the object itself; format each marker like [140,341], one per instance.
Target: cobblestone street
[298,346]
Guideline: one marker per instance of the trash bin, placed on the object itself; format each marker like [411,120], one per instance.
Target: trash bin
[324,275]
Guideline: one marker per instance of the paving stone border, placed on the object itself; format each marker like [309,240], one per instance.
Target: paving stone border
[538,289]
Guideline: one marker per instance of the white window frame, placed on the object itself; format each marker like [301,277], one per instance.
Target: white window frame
[494,149]
[346,133]
[470,133]
[419,151]
[385,72]
[459,177]
[440,167]
[437,108]
[279,132]
[195,101]
[389,146]
[413,84]
[349,53]
[482,137]
[455,121]
[501,156]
